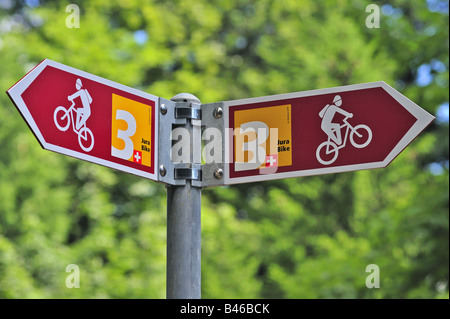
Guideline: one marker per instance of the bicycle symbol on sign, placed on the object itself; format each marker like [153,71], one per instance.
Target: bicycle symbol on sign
[360,135]
[64,117]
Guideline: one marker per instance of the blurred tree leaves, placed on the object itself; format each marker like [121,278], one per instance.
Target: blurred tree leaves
[297,238]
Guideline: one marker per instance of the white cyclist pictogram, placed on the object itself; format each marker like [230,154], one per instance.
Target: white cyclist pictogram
[63,117]
[360,135]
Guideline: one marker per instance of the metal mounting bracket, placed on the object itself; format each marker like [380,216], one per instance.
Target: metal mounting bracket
[174,114]
[213,118]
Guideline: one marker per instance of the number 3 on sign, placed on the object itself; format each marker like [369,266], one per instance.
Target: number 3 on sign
[125,135]
[257,133]
[131,130]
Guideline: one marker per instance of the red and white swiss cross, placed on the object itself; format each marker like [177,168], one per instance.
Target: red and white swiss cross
[272,160]
[137,157]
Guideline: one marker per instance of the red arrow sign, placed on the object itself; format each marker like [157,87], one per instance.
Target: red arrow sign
[85,116]
[317,132]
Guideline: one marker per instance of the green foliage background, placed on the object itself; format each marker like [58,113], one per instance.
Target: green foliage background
[306,237]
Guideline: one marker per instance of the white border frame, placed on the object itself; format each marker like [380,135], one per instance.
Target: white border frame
[423,120]
[16,91]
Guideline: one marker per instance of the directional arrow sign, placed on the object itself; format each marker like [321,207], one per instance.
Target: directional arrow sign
[85,116]
[324,131]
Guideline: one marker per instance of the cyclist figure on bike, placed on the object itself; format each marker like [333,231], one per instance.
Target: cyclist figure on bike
[333,130]
[84,112]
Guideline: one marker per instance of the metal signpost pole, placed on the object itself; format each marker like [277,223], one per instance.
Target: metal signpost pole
[183,228]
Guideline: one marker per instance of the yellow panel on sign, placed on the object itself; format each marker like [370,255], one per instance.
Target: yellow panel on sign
[131,130]
[265,119]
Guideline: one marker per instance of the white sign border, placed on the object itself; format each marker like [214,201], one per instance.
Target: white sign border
[16,91]
[423,120]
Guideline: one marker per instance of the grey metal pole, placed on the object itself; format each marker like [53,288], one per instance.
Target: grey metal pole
[183,273]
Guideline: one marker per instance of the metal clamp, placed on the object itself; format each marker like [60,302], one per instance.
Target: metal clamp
[187,113]
[188,173]
[175,113]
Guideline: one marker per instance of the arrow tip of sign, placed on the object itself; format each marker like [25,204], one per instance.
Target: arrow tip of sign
[418,112]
